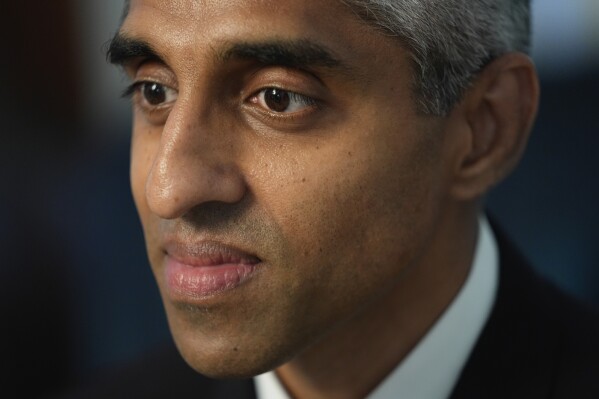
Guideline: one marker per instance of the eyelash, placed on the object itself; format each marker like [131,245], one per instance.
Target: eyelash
[307,103]
[135,86]
[131,89]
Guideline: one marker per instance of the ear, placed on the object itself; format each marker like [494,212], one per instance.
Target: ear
[491,125]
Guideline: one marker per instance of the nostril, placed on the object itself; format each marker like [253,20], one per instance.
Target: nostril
[174,189]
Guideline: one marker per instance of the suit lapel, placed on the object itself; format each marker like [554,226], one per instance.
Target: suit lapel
[511,359]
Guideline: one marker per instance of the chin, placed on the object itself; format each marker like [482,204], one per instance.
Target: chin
[226,360]
[226,353]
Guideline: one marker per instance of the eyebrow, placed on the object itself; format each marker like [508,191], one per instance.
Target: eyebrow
[299,54]
[123,49]
[290,53]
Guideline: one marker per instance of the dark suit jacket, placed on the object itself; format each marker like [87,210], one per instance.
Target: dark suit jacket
[537,343]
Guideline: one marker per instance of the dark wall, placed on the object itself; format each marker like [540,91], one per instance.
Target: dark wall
[550,205]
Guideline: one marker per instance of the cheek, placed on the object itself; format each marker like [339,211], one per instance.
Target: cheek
[353,215]
[144,145]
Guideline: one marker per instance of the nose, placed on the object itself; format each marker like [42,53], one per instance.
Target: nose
[194,164]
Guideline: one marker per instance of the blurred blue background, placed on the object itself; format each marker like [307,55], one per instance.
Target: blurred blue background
[77,293]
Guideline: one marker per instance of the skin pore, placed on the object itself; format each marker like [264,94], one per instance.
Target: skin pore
[288,131]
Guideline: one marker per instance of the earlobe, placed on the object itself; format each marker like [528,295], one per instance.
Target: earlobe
[494,121]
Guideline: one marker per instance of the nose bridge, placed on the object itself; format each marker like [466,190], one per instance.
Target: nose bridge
[192,165]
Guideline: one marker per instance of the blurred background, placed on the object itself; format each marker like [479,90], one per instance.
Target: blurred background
[76,292]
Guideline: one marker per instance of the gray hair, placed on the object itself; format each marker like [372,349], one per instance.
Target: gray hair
[450,41]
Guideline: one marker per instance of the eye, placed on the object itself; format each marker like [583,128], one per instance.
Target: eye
[156,94]
[152,94]
[282,101]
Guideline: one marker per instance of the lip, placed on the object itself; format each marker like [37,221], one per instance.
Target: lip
[203,269]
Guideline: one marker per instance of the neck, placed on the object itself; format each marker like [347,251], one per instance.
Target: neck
[352,360]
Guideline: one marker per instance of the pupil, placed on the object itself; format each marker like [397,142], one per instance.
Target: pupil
[154,93]
[277,100]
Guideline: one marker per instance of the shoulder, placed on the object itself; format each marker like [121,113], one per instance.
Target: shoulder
[538,342]
[161,374]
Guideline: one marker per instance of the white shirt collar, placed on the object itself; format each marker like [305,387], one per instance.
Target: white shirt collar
[443,351]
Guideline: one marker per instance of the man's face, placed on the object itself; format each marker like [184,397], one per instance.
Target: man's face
[283,177]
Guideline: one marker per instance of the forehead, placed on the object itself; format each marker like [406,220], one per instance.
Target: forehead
[197,9]
[185,24]
[198,13]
